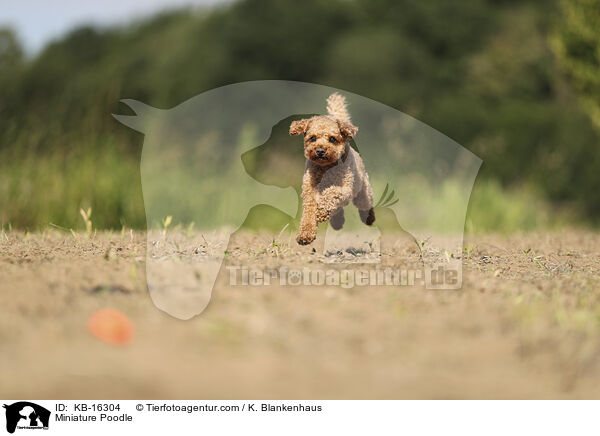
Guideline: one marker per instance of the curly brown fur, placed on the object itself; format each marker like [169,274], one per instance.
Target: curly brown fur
[334,173]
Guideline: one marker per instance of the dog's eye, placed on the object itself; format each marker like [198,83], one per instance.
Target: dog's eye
[332,139]
[313,138]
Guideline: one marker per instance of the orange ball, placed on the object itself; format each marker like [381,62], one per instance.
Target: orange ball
[111,326]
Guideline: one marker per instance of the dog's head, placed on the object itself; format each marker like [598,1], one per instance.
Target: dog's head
[325,138]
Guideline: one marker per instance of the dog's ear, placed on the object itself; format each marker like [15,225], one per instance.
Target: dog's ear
[299,127]
[347,128]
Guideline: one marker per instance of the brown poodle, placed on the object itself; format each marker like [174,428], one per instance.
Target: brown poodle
[334,173]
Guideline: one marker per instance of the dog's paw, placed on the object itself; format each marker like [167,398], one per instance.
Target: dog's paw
[367,216]
[370,218]
[305,239]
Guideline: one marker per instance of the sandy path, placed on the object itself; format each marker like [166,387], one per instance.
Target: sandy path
[525,325]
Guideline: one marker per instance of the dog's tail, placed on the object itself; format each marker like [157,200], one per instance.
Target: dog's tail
[336,107]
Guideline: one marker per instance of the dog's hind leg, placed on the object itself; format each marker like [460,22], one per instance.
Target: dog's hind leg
[367,216]
[337,219]
[364,203]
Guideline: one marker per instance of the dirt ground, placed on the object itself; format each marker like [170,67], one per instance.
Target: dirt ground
[526,324]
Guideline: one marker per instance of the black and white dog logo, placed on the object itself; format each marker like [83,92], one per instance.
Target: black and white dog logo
[26,415]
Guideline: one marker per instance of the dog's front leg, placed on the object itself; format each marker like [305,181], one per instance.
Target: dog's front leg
[331,200]
[308,223]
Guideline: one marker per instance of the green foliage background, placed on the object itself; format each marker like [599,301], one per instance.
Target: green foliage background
[516,82]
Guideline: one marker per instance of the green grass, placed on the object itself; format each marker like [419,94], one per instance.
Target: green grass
[39,190]
[496,209]
[36,190]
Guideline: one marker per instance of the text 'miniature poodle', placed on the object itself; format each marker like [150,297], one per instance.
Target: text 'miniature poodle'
[334,173]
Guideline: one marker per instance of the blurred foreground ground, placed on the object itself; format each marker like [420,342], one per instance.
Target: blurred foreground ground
[525,325]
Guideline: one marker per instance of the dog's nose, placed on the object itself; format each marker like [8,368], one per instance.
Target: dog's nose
[320,152]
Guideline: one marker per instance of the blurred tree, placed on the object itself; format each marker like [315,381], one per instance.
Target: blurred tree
[480,71]
[11,54]
[11,65]
[577,45]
